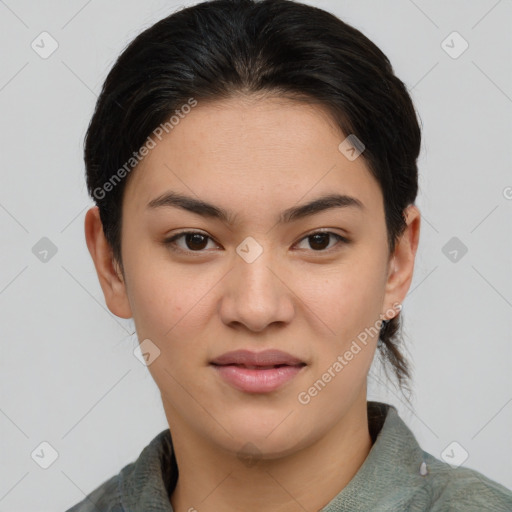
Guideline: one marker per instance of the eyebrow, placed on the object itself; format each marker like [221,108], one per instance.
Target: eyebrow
[204,209]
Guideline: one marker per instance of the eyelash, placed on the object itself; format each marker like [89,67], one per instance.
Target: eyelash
[171,242]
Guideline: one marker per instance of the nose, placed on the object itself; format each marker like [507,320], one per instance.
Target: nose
[257,294]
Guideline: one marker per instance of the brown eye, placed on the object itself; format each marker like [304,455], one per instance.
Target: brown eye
[195,241]
[192,242]
[319,241]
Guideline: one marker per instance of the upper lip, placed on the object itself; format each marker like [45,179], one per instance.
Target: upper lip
[264,358]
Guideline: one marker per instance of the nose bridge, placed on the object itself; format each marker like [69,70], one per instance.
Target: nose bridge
[257,296]
[254,276]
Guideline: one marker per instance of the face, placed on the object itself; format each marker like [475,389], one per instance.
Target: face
[259,273]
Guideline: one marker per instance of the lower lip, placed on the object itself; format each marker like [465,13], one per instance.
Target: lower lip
[257,381]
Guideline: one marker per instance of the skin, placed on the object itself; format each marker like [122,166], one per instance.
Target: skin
[257,157]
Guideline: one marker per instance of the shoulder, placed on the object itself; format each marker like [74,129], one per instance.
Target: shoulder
[138,484]
[105,498]
[464,489]
[414,480]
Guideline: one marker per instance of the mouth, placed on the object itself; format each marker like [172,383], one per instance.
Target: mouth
[259,360]
[259,367]
[257,372]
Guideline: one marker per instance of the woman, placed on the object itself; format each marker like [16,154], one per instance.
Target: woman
[254,169]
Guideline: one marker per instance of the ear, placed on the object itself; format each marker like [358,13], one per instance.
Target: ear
[109,274]
[401,264]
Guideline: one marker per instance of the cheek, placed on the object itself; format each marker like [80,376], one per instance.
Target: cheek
[156,304]
[350,299]
[169,304]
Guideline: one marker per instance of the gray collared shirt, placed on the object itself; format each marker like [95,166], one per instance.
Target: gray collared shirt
[397,475]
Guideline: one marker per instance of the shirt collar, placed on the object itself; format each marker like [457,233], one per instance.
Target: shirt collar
[393,471]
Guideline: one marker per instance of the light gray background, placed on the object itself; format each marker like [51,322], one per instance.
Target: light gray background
[68,374]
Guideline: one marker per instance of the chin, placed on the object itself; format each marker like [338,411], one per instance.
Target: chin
[271,438]
[253,448]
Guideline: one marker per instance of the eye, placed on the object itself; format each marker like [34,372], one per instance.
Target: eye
[194,241]
[319,241]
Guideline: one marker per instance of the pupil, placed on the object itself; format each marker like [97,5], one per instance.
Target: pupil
[318,238]
[195,238]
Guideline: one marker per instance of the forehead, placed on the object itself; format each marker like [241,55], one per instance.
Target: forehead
[273,151]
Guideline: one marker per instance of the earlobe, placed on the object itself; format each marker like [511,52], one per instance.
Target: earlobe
[401,267]
[108,271]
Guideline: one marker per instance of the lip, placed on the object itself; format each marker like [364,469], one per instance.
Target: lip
[270,357]
[257,372]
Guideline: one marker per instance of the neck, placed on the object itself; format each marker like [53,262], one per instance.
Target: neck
[210,479]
